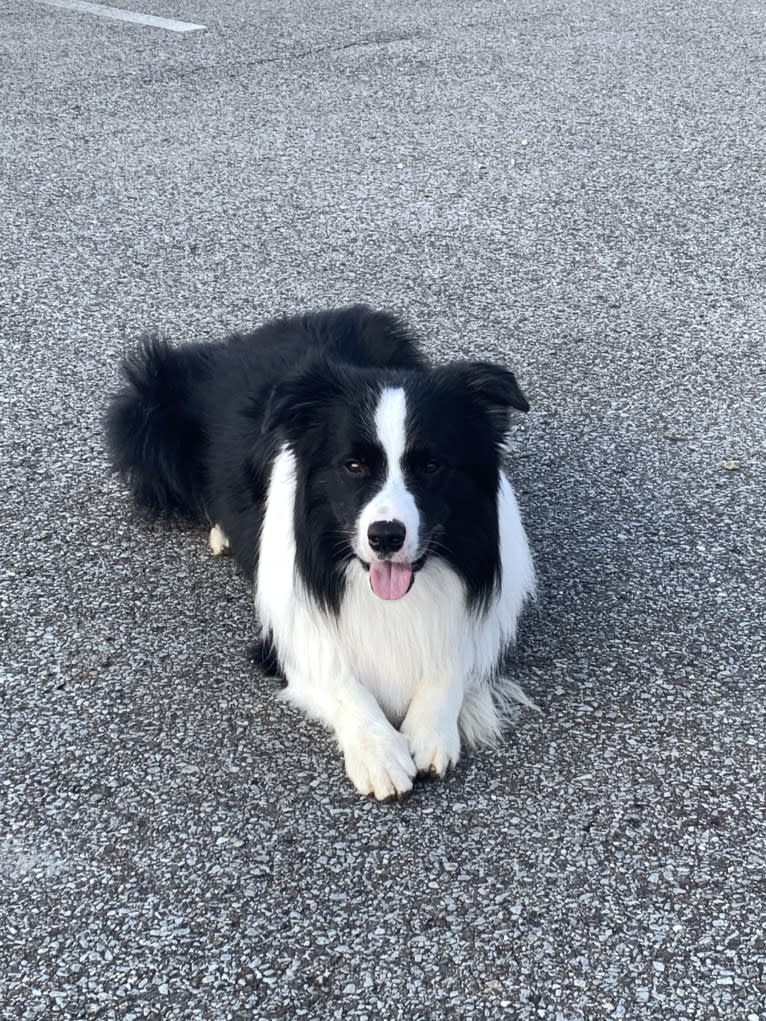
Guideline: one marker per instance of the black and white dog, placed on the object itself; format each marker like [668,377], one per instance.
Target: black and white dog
[363,492]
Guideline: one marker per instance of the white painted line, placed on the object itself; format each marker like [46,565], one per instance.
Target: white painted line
[117,14]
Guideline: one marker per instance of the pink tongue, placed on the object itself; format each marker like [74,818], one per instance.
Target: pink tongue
[389,580]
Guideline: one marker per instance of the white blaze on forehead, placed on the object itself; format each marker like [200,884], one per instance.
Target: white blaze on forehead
[394,502]
[390,425]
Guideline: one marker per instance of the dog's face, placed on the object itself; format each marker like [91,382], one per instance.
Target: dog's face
[395,468]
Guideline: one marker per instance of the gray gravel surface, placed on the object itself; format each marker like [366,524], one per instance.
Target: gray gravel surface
[576,189]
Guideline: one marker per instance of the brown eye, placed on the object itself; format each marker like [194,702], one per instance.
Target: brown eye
[430,467]
[354,467]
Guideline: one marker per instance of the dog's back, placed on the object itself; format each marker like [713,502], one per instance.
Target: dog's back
[159,425]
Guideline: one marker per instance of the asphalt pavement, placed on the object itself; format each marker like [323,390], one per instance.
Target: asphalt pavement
[575,189]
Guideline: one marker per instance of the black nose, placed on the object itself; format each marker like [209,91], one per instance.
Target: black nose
[386,536]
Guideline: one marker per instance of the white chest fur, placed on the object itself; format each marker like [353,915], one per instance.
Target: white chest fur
[393,647]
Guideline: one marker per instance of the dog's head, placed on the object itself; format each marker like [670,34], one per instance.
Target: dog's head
[397,467]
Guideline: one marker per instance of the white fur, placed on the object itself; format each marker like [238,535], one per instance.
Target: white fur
[394,502]
[423,662]
[219,543]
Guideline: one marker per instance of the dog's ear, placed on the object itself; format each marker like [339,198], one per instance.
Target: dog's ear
[493,386]
[295,404]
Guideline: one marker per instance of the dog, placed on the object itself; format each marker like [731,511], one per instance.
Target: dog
[362,490]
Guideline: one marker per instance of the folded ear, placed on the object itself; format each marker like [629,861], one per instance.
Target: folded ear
[294,405]
[493,386]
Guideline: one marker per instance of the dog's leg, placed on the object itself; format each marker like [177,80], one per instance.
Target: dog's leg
[431,725]
[481,721]
[376,755]
[219,544]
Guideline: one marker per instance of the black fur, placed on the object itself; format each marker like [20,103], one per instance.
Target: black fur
[195,429]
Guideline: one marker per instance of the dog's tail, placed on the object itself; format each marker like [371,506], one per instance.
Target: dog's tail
[155,428]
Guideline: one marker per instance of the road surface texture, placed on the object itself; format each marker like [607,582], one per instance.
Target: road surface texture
[576,189]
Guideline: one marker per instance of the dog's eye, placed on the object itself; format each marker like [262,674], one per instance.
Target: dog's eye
[430,467]
[354,467]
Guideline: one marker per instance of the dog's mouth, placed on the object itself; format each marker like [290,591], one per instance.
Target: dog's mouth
[391,579]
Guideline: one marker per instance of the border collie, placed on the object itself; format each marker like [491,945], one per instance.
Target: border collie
[362,491]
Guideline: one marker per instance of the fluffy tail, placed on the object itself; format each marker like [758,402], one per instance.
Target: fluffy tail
[155,429]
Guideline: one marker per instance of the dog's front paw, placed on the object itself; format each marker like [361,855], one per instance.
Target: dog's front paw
[433,740]
[380,764]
